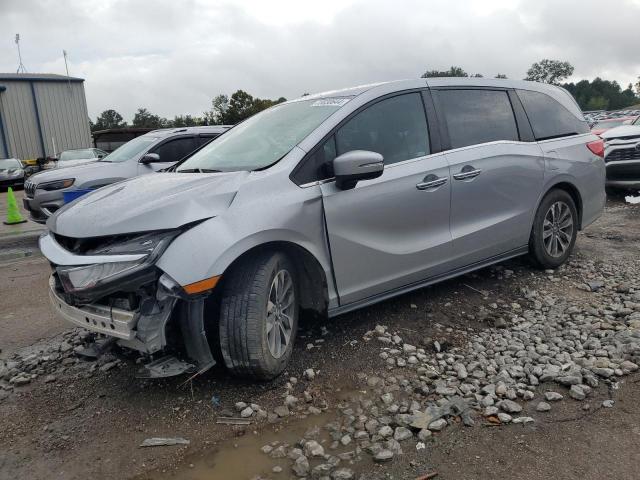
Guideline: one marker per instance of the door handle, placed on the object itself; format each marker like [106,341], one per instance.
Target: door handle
[467,172]
[431,181]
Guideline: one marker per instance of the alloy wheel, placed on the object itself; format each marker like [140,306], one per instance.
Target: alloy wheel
[280,311]
[557,229]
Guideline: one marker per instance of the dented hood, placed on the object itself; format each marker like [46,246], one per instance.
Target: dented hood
[151,202]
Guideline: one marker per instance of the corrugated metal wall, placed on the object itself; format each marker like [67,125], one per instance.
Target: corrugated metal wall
[19,119]
[63,115]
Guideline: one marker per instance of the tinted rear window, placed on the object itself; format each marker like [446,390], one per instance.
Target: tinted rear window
[548,118]
[477,116]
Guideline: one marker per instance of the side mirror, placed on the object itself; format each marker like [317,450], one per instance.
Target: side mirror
[351,167]
[150,158]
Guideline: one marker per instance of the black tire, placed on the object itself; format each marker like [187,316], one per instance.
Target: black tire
[537,247]
[243,317]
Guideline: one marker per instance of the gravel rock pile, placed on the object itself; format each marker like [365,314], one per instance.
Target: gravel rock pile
[49,360]
[544,348]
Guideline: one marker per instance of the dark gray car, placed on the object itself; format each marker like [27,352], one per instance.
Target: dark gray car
[327,203]
[148,153]
[11,172]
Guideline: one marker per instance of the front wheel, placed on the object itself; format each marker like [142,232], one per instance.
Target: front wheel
[554,231]
[259,316]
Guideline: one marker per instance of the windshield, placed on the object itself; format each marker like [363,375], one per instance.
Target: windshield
[636,121]
[129,149]
[9,164]
[608,124]
[77,154]
[263,139]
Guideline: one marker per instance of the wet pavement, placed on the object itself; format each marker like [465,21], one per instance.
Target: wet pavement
[88,420]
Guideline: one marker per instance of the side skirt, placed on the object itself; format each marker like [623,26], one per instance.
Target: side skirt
[365,302]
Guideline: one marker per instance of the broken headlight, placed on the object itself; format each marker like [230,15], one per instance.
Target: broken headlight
[151,245]
[88,276]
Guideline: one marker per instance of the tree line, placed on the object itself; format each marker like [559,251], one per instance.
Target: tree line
[597,94]
[224,111]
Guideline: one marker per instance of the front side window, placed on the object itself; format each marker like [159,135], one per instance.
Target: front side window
[548,118]
[318,166]
[395,127]
[174,150]
[477,116]
[262,140]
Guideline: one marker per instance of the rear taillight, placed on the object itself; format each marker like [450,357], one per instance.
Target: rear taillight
[597,147]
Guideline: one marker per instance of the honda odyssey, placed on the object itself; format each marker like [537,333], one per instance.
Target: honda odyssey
[327,203]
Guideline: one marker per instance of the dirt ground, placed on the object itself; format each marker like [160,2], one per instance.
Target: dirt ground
[90,425]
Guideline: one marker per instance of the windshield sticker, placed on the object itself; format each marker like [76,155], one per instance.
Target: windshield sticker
[330,102]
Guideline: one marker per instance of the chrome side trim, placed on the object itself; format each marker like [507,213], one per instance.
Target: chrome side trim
[55,253]
[622,162]
[432,184]
[114,322]
[466,175]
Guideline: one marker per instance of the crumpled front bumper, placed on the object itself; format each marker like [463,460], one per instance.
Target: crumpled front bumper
[111,321]
[135,309]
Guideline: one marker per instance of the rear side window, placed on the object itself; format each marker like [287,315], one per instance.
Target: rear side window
[548,118]
[174,150]
[477,116]
[395,127]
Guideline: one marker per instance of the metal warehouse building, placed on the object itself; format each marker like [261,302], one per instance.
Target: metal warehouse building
[42,115]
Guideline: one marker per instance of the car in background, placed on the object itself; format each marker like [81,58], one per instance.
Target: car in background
[328,203]
[156,150]
[602,126]
[622,157]
[79,156]
[11,172]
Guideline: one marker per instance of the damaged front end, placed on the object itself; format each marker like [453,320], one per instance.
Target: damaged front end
[112,286]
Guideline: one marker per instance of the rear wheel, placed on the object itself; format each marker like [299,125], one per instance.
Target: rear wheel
[554,231]
[259,316]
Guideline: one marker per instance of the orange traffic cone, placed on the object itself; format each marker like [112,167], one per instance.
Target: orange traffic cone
[13,214]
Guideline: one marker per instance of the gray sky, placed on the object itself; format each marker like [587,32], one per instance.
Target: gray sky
[173,57]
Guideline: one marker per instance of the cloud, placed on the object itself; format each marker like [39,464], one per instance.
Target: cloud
[174,57]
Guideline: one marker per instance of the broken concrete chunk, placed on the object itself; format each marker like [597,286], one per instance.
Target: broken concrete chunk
[160,441]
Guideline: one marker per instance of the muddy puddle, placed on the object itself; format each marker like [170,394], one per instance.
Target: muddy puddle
[241,458]
[11,255]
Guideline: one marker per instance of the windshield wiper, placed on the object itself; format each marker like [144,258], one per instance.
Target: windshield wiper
[198,170]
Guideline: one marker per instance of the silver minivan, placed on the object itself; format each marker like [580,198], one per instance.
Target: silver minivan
[327,203]
[156,150]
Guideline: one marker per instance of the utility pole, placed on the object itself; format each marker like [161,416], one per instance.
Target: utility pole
[21,68]
[64,54]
